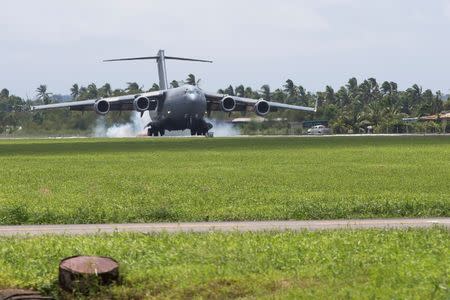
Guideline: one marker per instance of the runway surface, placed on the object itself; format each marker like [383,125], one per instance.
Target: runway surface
[77,229]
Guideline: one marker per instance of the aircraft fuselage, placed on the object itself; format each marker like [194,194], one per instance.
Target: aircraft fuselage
[182,108]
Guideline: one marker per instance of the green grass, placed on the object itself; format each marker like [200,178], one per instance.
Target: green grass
[381,264]
[183,179]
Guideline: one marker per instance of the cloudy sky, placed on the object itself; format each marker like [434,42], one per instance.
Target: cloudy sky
[315,43]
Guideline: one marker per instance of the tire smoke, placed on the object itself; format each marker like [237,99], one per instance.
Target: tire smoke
[131,129]
[136,128]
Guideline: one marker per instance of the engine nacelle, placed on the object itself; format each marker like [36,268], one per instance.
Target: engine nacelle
[141,103]
[102,107]
[262,108]
[228,104]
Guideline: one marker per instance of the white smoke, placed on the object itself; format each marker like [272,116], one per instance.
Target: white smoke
[136,127]
[132,129]
[223,128]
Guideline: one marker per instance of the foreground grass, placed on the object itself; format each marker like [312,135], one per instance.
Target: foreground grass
[397,264]
[144,180]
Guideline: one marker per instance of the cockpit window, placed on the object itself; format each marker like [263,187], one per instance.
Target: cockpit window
[191,90]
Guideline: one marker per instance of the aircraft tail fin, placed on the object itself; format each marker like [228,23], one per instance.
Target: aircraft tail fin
[161,60]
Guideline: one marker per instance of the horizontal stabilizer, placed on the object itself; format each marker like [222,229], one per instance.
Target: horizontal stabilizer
[132,58]
[156,57]
[189,59]
[161,60]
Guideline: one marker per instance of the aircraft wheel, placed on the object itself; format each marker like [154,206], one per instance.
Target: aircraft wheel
[193,132]
[149,132]
[161,132]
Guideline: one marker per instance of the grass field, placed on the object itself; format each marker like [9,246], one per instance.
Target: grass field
[184,179]
[396,264]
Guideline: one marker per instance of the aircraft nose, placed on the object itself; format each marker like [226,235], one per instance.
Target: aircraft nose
[196,102]
[194,97]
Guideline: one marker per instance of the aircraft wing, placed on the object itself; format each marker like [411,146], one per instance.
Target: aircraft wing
[246,104]
[115,103]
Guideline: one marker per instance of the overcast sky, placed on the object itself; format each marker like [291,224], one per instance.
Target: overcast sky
[315,43]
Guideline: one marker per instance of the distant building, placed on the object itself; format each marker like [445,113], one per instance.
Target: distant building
[247,120]
[409,120]
[256,119]
[443,116]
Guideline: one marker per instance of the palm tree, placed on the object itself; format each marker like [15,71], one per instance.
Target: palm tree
[278,95]
[329,95]
[389,93]
[75,91]
[4,94]
[118,92]
[83,93]
[411,99]
[105,90]
[437,104]
[155,87]
[394,86]
[42,94]
[342,97]
[290,89]
[365,92]
[265,91]
[229,90]
[92,91]
[133,88]
[191,80]
[374,89]
[352,86]
[373,83]
[248,93]
[374,113]
[174,84]
[240,90]
[386,88]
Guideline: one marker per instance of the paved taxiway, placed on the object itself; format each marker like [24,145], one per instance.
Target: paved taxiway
[223,226]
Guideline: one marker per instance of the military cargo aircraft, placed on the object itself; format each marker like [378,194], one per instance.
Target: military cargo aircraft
[178,108]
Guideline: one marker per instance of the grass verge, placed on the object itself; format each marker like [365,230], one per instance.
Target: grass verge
[182,179]
[362,264]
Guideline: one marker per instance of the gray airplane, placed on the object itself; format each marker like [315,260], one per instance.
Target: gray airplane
[175,108]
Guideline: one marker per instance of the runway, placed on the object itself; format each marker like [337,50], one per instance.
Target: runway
[80,229]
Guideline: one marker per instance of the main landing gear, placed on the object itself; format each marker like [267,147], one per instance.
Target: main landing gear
[155,131]
[201,128]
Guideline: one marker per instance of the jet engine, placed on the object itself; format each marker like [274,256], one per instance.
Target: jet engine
[262,108]
[228,104]
[141,103]
[101,107]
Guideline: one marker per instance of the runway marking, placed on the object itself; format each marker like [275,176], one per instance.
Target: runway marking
[77,229]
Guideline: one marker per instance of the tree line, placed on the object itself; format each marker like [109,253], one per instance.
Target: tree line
[350,108]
